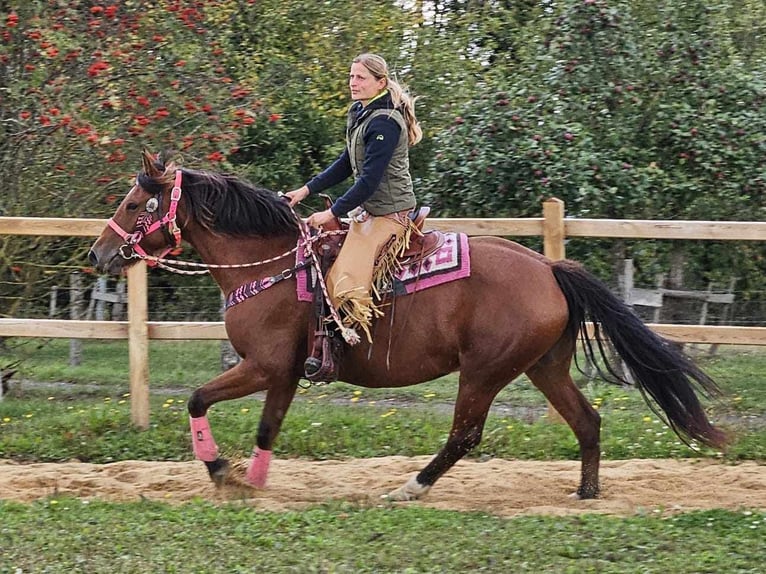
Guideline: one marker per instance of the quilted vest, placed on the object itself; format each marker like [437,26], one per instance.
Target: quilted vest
[395,191]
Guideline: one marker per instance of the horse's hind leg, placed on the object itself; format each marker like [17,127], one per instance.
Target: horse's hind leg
[551,376]
[471,408]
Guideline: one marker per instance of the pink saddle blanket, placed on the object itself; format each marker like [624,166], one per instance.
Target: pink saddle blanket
[450,262]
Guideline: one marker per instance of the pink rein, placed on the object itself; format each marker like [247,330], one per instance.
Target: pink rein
[132,240]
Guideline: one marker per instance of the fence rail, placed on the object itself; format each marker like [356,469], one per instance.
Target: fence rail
[553,227]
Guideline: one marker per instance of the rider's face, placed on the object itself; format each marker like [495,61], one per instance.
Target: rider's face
[363,85]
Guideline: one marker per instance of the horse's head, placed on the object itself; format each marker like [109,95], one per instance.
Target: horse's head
[145,221]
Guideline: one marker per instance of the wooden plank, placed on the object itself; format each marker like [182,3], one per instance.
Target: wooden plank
[488,226]
[108,297]
[184,331]
[70,227]
[63,329]
[723,298]
[637,229]
[718,334]
[650,229]
[138,344]
[644,297]
[714,334]
[187,331]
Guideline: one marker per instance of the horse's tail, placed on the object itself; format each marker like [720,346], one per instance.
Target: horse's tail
[660,369]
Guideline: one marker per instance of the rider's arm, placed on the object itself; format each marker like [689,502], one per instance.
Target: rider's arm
[339,170]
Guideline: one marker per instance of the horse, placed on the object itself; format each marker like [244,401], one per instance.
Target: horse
[517,312]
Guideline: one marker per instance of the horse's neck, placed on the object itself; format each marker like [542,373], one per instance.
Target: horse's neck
[225,250]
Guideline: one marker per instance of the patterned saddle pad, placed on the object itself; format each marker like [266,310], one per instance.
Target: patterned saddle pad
[450,262]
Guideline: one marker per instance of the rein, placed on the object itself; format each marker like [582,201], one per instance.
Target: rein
[168,264]
[168,224]
[349,335]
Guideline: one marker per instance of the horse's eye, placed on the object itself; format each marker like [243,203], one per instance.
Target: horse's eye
[131,206]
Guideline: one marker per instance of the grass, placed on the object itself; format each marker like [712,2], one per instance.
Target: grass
[86,415]
[89,418]
[104,364]
[100,431]
[188,364]
[69,535]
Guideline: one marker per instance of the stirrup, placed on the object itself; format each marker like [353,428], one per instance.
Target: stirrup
[324,368]
[312,366]
[320,370]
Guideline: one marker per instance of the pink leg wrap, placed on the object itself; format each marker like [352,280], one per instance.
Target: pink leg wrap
[259,468]
[203,443]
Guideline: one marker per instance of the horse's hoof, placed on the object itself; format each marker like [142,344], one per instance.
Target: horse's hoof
[580,495]
[412,490]
[398,495]
[219,470]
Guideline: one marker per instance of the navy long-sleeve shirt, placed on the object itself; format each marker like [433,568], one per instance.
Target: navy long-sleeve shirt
[380,140]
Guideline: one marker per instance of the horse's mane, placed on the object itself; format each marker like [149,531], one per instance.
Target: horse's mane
[225,203]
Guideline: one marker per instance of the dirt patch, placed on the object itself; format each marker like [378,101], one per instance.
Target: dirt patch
[501,487]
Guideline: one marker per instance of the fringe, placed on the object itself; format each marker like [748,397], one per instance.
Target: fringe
[357,310]
[357,307]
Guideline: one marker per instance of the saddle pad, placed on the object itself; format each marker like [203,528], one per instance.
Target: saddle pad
[450,262]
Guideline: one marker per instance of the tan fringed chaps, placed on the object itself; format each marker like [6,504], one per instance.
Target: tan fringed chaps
[365,264]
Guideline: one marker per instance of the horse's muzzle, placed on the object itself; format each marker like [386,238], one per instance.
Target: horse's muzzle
[104,264]
[93,258]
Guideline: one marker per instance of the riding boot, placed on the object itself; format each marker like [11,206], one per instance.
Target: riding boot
[323,363]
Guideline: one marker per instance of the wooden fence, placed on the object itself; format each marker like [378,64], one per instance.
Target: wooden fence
[552,226]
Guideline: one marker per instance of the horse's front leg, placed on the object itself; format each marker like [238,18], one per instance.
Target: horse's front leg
[239,381]
[275,407]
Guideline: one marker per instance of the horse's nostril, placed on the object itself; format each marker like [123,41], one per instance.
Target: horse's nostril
[93,258]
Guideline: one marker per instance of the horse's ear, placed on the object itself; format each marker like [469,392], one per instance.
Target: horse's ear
[148,164]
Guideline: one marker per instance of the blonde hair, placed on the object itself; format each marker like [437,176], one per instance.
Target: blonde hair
[399,95]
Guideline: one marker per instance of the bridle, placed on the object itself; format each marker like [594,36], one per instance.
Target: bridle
[146,225]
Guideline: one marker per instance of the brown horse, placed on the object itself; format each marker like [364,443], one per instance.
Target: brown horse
[518,312]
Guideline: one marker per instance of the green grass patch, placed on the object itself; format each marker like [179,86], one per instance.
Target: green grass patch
[89,419]
[181,364]
[86,416]
[741,372]
[68,535]
[99,430]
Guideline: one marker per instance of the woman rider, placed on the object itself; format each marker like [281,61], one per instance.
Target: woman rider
[381,126]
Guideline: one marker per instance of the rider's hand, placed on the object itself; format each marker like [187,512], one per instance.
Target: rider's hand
[297,195]
[316,220]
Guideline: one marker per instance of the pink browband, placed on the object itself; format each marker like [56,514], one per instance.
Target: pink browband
[132,240]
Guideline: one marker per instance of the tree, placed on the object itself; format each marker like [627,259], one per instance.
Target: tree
[617,123]
[87,85]
[520,101]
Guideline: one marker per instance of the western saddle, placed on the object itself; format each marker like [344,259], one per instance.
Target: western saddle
[325,346]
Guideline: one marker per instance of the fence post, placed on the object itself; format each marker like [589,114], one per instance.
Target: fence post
[101,289]
[53,303]
[117,308]
[75,307]
[553,248]
[138,344]
[553,229]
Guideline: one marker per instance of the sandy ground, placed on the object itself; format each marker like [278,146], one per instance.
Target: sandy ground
[501,487]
